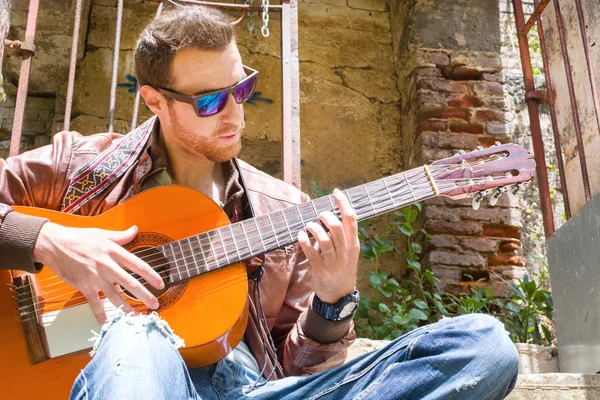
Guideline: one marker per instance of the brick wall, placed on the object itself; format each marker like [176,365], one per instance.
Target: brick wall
[457,103]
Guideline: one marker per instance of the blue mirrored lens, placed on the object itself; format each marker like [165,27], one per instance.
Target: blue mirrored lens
[245,90]
[211,104]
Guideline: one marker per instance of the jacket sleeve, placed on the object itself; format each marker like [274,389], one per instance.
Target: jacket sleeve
[307,343]
[35,178]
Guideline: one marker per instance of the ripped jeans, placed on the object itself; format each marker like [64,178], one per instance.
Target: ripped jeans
[467,357]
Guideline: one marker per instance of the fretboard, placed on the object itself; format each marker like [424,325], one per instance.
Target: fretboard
[246,239]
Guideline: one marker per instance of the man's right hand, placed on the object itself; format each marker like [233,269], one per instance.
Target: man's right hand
[92,261]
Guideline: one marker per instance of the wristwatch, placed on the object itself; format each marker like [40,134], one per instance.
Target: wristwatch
[343,309]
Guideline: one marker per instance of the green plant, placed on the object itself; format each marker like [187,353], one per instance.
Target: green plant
[481,299]
[397,308]
[524,309]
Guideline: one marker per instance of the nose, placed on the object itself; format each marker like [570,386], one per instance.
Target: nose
[233,113]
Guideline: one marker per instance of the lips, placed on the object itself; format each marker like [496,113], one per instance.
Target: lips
[228,137]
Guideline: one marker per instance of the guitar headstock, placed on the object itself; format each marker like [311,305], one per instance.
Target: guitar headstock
[495,170]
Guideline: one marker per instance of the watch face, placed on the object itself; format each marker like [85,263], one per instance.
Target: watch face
[347,310]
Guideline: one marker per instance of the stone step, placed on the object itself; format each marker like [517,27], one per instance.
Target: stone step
[557,386]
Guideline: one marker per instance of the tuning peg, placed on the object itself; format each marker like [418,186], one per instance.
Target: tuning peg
[497,144]
[497,193]
[460,153]
[517,188]
[478,148]
[477,200]
[513,191]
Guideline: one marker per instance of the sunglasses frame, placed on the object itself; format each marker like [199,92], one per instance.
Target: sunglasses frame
[193,99]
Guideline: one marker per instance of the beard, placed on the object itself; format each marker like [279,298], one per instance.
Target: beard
[208,146]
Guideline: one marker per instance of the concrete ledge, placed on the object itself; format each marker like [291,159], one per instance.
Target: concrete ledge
[557,387]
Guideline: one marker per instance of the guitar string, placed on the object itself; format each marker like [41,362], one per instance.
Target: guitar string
[47,300]
[230,241]
[158,256]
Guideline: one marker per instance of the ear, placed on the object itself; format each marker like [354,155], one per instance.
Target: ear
[155,100]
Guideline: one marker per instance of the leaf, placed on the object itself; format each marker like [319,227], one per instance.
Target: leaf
[387,292]
[427,235]
[419,206]
[414,264]
[406,229]
[410,214]
[421,304]
[416,247]
[547,334]
[384,308]
[376,278]
[418,314]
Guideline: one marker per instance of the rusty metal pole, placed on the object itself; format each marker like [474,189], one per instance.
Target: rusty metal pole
[136,101]
[291,92]
[72,65]
[5,9]
[535,16]
[574,108]
[115,69]
[15,140]
[557,141]
[534,121]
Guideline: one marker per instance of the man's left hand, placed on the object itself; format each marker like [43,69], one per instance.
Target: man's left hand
[334,256]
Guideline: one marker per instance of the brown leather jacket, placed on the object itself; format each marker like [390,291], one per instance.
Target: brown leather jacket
[306,343]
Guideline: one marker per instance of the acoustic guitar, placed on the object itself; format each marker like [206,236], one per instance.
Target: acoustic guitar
[45,324]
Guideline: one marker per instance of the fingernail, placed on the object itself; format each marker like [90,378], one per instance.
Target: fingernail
[301,235]
[155,304]
[161,285]
[337,191]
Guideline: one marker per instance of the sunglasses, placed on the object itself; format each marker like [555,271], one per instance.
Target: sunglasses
[213,102]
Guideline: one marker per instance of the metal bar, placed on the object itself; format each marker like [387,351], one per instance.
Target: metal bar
[539,8]
[72,66]
[534,120]
[15,140]
[234,7]
[557,145]
[590,66]
[569,73]
[113,84]
[136,101]
[290,93]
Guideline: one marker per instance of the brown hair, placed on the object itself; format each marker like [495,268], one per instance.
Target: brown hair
[180,27]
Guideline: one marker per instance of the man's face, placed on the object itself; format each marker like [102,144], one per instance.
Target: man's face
[217,137]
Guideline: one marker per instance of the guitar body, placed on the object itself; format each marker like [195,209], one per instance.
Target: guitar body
[209,311]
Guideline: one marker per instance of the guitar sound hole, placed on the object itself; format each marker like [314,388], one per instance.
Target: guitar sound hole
[157,262]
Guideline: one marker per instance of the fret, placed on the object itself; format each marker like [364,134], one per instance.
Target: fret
[175,259]
[409,188]
[390,193]
[202,252]
[246,236]
[370,200]
[223,245]
[300,215]
[274,231]
[186,274]
[237,226]
[315,208]
[213,249]
[260,236]
[194,256]
[234,243]
[288,227]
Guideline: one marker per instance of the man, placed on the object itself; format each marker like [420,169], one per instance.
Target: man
[192,78]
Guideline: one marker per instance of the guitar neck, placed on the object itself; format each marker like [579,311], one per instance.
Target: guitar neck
[246,239]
